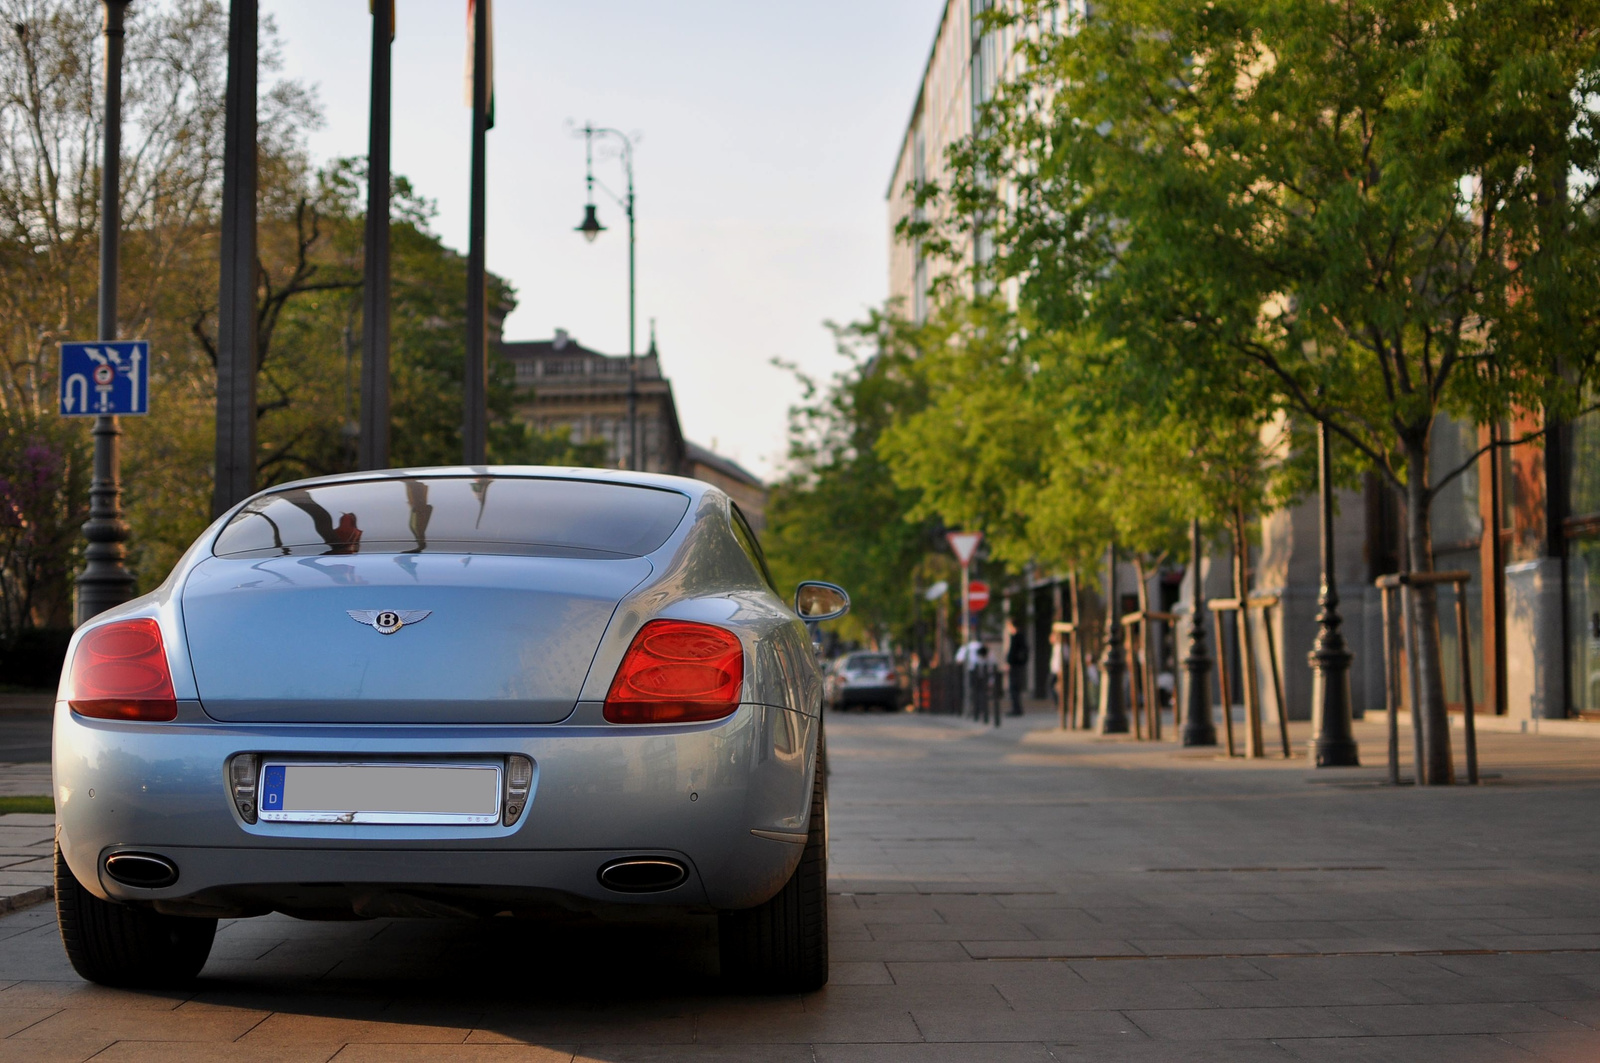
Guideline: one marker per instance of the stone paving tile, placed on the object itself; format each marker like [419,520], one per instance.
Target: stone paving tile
[14,1019]
[1392,969]
[1301,993]
[81,994]
[1584,1010]
[969,972]
[888,951]
[554,1030]
[988,1025]
[139,1024]
[1466,989]
[13,1050]
[866,972]
[288,1027]
[1481,1048]
[1225,1051]
[942,931]
[1134,972]
[993,1052]
[1211,1024]
[472,1053]
[1563,1046]
[185,1051]
[830,1026]
[905,997]
[1044,950]
[885,916]
[1082,996]
[695,1053]
[1408,1019]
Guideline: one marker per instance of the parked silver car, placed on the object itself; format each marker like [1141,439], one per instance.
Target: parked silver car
[864,678]
[447,692]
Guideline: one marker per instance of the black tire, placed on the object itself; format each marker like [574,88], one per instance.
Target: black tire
[782,946]
[120,945]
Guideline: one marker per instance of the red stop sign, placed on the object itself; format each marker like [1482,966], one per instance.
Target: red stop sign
[977,595]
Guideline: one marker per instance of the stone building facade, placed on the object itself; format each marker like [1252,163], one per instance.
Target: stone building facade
[563,384]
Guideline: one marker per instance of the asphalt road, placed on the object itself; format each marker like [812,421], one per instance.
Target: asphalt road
[1012,896]
[25,728]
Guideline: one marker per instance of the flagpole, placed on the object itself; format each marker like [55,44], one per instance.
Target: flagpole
[374,433]
[235,454]
[474,428]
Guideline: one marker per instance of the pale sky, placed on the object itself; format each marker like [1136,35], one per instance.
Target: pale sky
[768,132]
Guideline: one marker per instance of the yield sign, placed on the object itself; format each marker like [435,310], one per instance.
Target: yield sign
[965,544]
[977,595]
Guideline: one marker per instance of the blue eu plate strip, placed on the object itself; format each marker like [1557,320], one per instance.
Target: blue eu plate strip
[272,788]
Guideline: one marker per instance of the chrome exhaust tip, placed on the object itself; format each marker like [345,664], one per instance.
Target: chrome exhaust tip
[145,871]
[643,874]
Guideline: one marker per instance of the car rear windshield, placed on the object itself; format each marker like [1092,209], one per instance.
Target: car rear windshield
[866,664]
[457,515]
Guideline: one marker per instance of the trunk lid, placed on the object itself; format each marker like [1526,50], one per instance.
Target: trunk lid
[505,639]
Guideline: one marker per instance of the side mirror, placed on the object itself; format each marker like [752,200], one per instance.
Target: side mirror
[814,600]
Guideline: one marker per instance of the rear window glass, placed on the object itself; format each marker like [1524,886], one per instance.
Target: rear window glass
[456,515]
[866,664]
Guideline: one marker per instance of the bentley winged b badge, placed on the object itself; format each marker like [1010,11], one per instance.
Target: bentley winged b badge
[388,621]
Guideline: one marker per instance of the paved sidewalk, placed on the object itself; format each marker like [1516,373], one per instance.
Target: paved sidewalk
[1010,896]
[26,854]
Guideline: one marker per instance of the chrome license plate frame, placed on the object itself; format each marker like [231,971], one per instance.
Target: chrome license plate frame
[397,792]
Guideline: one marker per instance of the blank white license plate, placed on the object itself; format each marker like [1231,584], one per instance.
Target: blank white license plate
[380,793]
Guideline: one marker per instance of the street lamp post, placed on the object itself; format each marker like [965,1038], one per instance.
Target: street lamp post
[1334,745]
[591,228]
[1113,706]
[105,581]
[1198,730]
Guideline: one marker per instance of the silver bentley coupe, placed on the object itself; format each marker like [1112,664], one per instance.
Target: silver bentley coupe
[449,692]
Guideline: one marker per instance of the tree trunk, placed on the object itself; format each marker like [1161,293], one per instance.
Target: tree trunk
[1428,668]
[1251,694]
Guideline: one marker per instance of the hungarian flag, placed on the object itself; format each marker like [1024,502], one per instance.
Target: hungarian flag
[488,74]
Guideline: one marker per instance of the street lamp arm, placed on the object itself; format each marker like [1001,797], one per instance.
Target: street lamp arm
[627,142]
[620,201]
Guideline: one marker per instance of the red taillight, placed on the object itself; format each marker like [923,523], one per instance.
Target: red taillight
[119,672]
[677,672]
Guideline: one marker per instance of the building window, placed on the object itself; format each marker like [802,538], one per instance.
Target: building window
[1582,530]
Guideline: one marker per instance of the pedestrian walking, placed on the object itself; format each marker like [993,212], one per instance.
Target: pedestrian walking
[972,656]
[1058,689]
[1016,664]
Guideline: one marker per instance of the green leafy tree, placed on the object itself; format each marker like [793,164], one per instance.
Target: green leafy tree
[838,514]
[1373,213]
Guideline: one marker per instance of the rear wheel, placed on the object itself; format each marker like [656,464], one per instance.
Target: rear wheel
[782,945]
[120,945]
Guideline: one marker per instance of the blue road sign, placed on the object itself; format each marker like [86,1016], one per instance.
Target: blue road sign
[108,377]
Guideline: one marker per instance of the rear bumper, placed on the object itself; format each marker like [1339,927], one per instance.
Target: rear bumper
[868,695]
[692,794]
